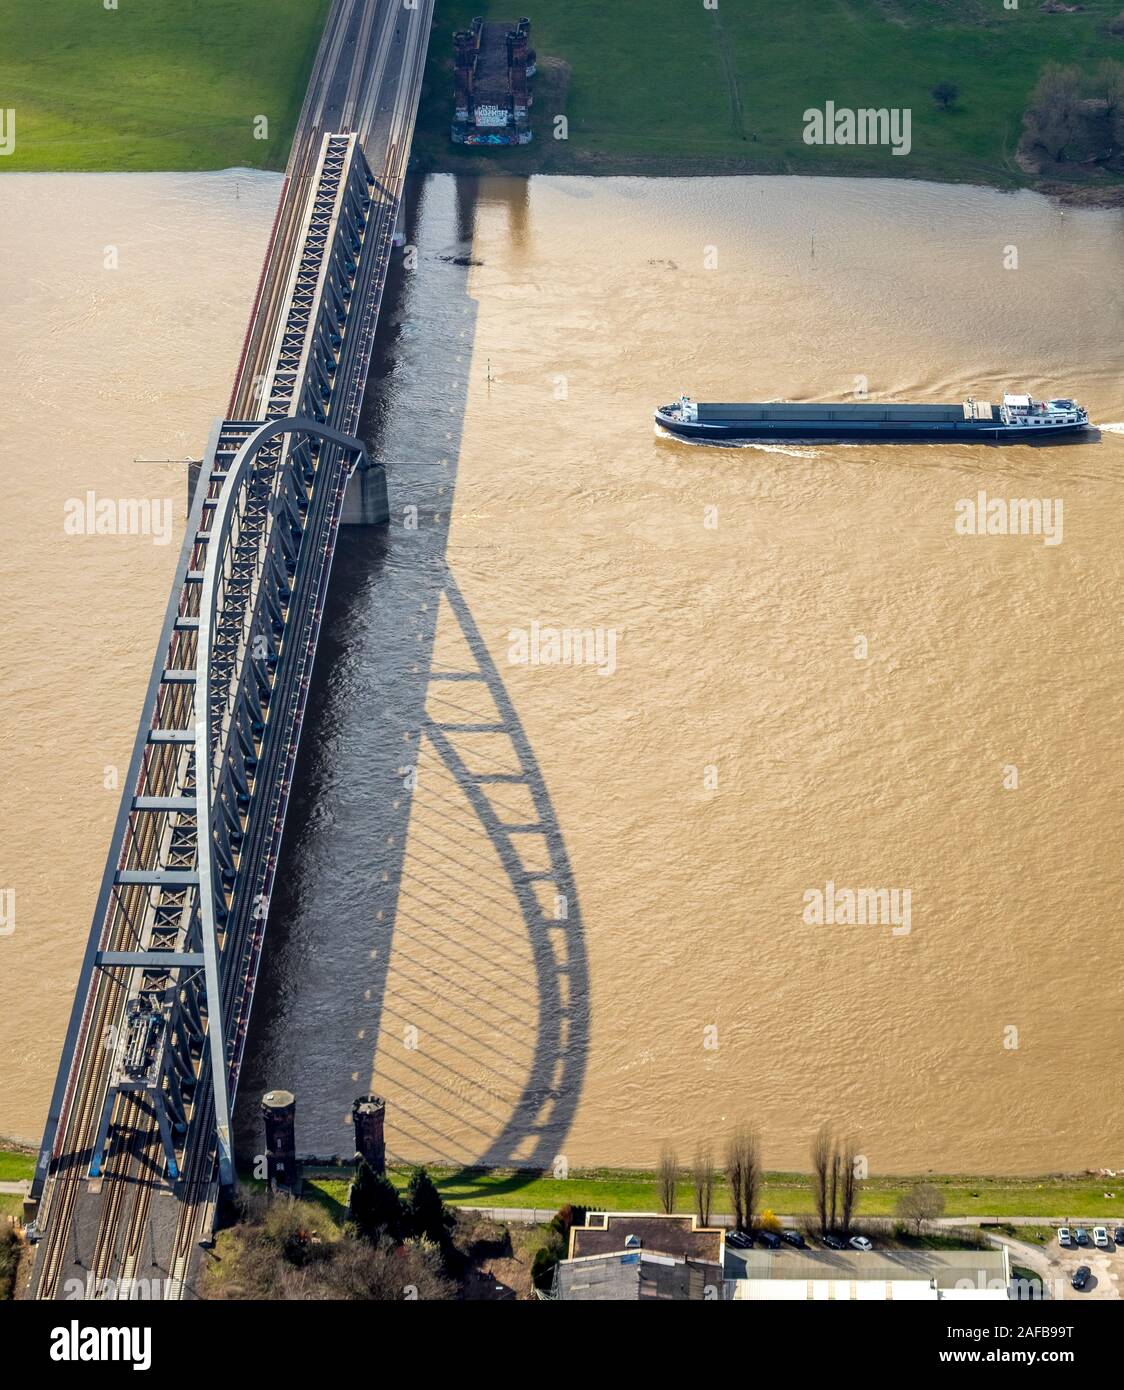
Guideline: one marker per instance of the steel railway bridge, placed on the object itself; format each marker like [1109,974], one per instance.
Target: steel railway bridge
[149,1070]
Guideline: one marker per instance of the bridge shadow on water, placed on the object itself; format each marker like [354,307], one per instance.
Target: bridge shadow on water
[425,936]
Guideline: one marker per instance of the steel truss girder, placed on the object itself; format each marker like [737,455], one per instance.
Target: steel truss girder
[223,740]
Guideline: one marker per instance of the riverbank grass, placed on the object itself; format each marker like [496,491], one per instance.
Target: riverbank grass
[679,88]
[16,1165]
[787,1194]
[167,84]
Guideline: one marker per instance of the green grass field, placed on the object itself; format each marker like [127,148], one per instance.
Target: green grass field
[666,85]
[154,84]
[787,1194]
[15,1165]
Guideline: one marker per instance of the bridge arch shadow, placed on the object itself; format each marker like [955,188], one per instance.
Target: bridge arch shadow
[426,938]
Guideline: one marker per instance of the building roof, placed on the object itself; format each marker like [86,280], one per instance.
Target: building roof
[948,1271]
[679,1236]
[636,1274]
[858,1290]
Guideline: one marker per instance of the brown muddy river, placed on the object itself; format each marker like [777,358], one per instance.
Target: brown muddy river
[553,907]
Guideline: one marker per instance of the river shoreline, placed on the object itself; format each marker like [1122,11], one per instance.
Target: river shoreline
[519,163]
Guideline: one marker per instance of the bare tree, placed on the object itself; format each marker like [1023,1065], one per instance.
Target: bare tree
[1053,116]
[667,1176]
[849,1199]
[704,1177]
[833,1192]
[1108,84]
[743,1169]
[923,1202]
[822,1147]
[735,1161]
[752,1175]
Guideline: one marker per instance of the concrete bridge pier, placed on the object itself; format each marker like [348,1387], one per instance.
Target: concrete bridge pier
[366,502]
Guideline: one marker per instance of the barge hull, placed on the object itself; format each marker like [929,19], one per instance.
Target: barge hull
[843,423]
[817,433]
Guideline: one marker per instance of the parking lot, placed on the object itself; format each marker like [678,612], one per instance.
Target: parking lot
[1106,1269]
[1056,1264]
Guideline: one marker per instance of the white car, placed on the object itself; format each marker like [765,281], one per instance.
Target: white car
[860,1243]
[1064,1238]
[1100,1237]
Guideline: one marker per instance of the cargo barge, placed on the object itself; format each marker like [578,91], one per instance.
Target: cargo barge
[1017,417]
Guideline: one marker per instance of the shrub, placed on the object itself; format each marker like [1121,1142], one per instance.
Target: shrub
[544,1264]
[557,1245]
[375,1206]
[565,1218]
[426,1216]
[9,1257]
[945,94]
[283,1250]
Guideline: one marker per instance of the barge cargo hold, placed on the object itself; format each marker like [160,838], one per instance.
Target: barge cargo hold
[1018,417]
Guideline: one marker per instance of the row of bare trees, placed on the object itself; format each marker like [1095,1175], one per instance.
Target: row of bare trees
[704,1176]
[837,1170]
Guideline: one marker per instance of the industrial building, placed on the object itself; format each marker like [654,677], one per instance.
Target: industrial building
[864,1276]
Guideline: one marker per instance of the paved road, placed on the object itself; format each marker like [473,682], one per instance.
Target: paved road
[533,1215]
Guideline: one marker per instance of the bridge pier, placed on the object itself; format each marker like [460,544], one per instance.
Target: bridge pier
[369,1115]
[278,1110]
[366,502]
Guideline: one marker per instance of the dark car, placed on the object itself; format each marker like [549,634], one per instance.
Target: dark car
[833,1242]
[794,1238]
[769,1239]
[1118,1235]
[739,1240]
[1081,1236]
[1080,1276]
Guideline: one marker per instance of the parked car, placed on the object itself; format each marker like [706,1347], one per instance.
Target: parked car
[861,1243]
[794,1238]
[1100,1237]
[1064,1237]
[769,1239]
[1081,1235]
[739,1240]
[1080,1276]
[833,1242]
[1118,1235]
